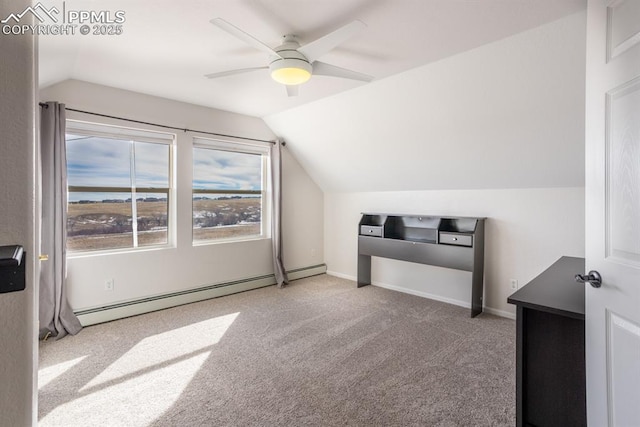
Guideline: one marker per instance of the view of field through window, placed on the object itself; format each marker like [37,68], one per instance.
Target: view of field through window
[119,193]
[226,217]
[227,194]
[109,179]
[99,224]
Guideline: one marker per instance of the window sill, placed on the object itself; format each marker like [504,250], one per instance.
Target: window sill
[224,241]
[89,254]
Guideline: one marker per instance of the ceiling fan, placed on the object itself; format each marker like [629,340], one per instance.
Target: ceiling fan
[291,64]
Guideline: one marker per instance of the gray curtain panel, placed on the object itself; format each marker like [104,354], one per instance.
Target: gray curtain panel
[56,317]
[276,217]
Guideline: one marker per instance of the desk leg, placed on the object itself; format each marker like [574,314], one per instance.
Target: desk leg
[364,270]
[520,331]
[477,289]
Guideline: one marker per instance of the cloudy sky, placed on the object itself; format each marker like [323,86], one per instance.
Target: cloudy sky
[226,170]
[106,162]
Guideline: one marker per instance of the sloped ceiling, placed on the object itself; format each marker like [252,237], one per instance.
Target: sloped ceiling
[467,93]
[509,114]
[167,46]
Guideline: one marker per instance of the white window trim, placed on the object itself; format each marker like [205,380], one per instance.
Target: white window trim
[119,132]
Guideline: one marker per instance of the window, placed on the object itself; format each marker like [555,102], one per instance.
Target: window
[119,184]
[228,190]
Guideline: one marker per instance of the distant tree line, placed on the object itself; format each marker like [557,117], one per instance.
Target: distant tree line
[225,197]
[158,199]
[141,199]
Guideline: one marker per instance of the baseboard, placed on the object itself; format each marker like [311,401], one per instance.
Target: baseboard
[301,273]
[146,305]
[342,276]
[423,294]
[500,313]
[459,303]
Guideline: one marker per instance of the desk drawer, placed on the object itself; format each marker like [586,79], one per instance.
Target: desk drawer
[456,239]
[371,230]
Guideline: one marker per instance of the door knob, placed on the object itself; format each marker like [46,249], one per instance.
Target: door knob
[593,278]
[43,257]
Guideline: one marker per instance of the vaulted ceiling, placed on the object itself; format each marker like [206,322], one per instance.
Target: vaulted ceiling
[508,114]
[167,47]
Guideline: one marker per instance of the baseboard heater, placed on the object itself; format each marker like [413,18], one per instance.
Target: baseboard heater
[121,310]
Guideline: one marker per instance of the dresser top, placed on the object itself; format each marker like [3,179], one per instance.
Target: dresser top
[424,215]
[555,290]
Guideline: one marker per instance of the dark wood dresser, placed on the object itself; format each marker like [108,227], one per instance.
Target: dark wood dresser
[550,348]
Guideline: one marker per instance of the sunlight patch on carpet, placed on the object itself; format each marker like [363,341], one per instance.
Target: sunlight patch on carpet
[135,402]
[50,373]
[158,349]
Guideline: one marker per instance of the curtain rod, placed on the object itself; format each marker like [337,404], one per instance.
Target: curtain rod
[45,105]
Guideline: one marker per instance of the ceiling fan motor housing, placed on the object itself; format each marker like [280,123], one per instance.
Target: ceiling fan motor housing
[292,67]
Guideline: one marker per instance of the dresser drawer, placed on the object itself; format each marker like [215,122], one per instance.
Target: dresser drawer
[456,239]
[371,230]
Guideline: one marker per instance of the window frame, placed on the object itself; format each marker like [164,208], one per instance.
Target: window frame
[265,208]
[93,129]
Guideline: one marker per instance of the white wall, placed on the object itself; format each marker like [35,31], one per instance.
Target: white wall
[509,114]
[302,216]
[497,131]
[18,324]
[525,232]
[152,272]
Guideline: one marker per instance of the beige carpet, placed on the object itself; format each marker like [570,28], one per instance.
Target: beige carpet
[319,352]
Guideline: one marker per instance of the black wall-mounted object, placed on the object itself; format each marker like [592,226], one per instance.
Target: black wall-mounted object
[12,269]
[451,242]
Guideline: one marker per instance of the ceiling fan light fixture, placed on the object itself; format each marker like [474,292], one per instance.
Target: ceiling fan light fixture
[290,72]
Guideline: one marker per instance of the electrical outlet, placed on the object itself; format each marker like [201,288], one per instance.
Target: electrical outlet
[108,285]
[514,284]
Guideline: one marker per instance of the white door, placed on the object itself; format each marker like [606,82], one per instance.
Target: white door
[613,212]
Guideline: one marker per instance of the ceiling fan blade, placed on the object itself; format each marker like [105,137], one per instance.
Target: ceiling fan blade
[324,44]
[324,69]
[233,72]
[292,90]
[245,37]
